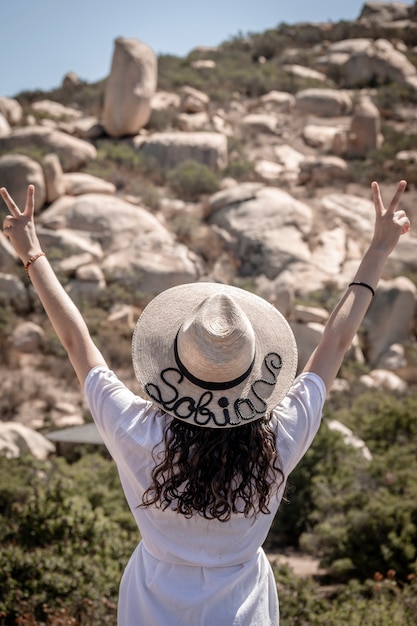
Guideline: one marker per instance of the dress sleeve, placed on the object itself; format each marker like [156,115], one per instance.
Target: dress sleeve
[114,408]
[297,419]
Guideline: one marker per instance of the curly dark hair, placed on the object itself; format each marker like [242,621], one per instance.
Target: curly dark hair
[216,472]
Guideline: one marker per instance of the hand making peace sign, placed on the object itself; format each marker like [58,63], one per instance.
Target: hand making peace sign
[19,226]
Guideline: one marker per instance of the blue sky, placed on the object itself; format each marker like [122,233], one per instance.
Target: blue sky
[42,40]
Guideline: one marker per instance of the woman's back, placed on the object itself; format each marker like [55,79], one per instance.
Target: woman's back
[194,558]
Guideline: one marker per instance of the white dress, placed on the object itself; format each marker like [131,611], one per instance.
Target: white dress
[193,571]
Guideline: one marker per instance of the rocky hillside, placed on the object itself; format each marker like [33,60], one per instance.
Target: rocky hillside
[248,164]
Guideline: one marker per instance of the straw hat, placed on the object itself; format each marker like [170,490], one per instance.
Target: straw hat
[213,355]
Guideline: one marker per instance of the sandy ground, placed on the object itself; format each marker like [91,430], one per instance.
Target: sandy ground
[302,564]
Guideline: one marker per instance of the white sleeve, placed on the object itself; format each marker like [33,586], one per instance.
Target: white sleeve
[113,406]
[297,419]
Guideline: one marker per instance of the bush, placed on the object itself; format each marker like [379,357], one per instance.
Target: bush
[236,69]
[65,538]
[381,601]
[119,163]
[191,179]
[359,516]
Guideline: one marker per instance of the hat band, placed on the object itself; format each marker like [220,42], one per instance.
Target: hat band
[205,384]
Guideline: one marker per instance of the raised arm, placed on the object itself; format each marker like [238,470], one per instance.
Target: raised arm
[348,314]
[65,318]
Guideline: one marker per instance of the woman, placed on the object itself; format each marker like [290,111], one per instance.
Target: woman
[204,460]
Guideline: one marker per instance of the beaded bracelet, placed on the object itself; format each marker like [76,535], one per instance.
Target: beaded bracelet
[32,260]
[358,282]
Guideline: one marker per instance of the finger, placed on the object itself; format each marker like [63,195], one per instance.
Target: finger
[376,194]
[405,224]
[8,225]
[30,202]
[10,203]
[397,196]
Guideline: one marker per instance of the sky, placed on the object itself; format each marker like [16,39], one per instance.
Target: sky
[42,40]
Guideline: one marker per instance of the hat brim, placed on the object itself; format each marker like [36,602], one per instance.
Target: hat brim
[154,363]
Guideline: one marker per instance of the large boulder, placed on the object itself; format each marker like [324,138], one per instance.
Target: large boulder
[343,226]
[267,231]
[353,213]
[190,122]
[300,71]
[64,242]
[171,148]
[14,293]
[106,220]
[137,249]
[194,100]
[165,100]
[361,62]
[365,131]
[17,439]
[322,171]
[54,177]
[4,126]
[129,88]
[8,256]
[268,171]
[307,336]
[320,136]
[384,11]
[278,101]
[150,265]
[16,172]
[390,317]
[88,128]
[89,283]
[73,152]
[256,123]
[323,102]
[28,337]
[56,110]
[79,183]
[12,110]
[232,196]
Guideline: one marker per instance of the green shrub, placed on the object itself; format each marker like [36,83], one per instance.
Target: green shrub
[175,72]
[327,468]
[240,169]
[393,94]
[127,168]
[119,152]
[299,600]
[236,69]
[37,153]
[382,601]
[190,179]
[359,516]
[163,120]
[65,538]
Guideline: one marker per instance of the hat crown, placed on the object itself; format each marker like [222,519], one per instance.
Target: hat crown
[213,355]
[216,342]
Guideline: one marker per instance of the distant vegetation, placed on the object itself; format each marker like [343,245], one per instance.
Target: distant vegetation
[248,65]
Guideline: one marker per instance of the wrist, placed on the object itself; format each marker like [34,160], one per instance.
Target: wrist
[380,249]
[379,254]
[32,259]
[25,252]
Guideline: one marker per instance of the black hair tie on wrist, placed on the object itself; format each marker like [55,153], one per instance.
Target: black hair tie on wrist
[358,282]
